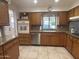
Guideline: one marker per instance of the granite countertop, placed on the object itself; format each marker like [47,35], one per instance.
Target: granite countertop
[36,31]
[4,41]
[67,32]
[76,36]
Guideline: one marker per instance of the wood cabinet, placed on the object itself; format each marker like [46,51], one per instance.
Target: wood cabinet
[69,43]
[72,45]
[62,39]
[11,49]
[35,18]
[49,39]
[54,38]
[44,39]
[4,15]
[71,13]
[25,38]
[75,48]
[76,11]
[1,53]
[63,18]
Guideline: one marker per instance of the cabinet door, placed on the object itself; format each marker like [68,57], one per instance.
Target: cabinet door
[69,43]
[63,19]
[11,53]
[76,11]
[62,39]
[44,39]
[1,56]
[1,53]
[4,16]
[25,39]
[75,49]
[54,39]
[35,18]
[11,50]
[71,13]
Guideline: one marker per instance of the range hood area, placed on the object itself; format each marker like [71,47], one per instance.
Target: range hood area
[75,18]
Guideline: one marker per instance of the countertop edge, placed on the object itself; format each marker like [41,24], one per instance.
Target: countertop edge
[6,42]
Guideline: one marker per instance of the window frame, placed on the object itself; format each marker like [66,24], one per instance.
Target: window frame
[49,23]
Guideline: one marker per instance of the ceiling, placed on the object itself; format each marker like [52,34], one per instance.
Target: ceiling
[43,5]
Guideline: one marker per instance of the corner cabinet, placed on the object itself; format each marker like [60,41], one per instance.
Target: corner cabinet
[11,49]
[4,15]
[35,18]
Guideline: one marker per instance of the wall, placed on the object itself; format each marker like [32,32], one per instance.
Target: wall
[9,32]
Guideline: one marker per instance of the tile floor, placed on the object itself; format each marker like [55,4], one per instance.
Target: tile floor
[43,52]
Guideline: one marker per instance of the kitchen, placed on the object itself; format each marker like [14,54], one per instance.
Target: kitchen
[39,29]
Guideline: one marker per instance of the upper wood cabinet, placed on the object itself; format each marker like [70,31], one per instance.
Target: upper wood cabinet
[71,13]
[35,18]
[76,11]
[4,15]
[63,18]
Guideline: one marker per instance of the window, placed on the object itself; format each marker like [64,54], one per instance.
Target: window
[11,17]
[49,23]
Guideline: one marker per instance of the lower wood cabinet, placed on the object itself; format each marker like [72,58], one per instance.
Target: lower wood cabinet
[69,43]
[11,50]
[72,45]
[1,56]
[1,53]
[44,38]
[55,38]
[75,48]
[62,38]
[25,38]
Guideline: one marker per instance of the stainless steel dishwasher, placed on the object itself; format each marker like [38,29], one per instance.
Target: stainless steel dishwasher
[35,38]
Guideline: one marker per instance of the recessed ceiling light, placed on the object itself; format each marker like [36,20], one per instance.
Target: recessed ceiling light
[35,1]
[56,0]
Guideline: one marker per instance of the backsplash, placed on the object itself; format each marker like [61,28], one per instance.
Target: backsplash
[35,27]
[9,33]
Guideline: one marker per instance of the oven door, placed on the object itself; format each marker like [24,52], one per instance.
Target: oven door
[23,27]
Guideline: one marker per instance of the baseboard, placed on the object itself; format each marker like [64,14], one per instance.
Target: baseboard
[41,45]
